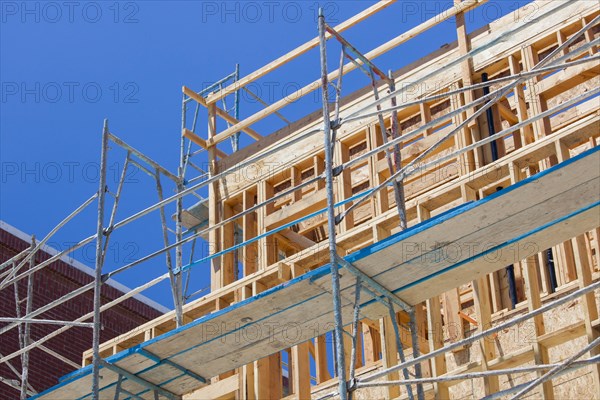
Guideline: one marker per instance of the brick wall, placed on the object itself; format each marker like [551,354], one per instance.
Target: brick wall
[52,282]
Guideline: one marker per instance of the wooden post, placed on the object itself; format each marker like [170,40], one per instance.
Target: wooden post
[247,388]
[227,239]
[213,204]
[590,310]
[483,309]
[470,134]
[425,112]
[481,295]
[534,301]
[267,251]
[382,198]
[344,185]
[389,352]
[267,370]
[321,359]
[537,104]
[301,371]
[436,341]
[250,252]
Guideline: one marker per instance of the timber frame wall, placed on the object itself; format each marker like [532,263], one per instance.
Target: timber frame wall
[473,175]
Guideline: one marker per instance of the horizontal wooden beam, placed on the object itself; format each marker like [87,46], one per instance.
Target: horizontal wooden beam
[220,113]
[222,389]
[200,142]
[507,113]
[311,203]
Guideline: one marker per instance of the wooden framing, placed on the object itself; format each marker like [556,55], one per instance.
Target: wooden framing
[472,176]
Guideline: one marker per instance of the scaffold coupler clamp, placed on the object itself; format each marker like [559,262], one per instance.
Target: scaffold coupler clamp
[351,385]
[336,124]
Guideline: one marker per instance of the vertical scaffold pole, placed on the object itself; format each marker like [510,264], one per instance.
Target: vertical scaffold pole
[177,284]
[398,189]
[335,279]
[399,186]
[416,351]
[99,263]
[235,139]
[26,329]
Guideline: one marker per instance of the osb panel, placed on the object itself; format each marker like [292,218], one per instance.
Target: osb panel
[574,385]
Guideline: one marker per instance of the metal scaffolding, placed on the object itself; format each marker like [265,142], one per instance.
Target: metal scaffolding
[23,265]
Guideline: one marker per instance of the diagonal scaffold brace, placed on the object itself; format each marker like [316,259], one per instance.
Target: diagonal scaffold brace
[393,158]
[389,300]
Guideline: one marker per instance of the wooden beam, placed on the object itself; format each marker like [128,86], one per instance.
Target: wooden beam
[308,204]
[220,113]
[224,389]
[541,355]
[201,142]
[299,240]
[250,251]
[301,371]
[321,368]
[214,216]
[507,114]
[590,309]
[436,341]
[389,351]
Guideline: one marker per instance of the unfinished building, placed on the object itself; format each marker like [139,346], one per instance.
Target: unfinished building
[433,235]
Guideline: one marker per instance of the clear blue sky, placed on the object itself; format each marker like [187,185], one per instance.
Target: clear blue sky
[64,67]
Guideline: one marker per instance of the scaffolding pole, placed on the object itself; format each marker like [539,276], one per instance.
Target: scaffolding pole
[99,262]
[335,279]
[172,276]
[482,374]
[397,156]
[28,321]
[11,275]
[27,328]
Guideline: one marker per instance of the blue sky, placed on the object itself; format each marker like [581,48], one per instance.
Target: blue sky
[64,67]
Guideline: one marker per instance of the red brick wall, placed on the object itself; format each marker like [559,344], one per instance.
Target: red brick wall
[52,282]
